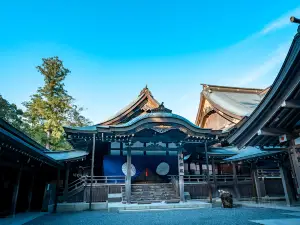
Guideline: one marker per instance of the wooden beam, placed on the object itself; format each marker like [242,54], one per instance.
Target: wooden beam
[214,170]
[207,173]
[257,184]
[286,186]
[66,182]
[180,176]
[56,191]
[16,192]
[294,104]
[128,177]
[15,166]
[30,192]
[92,171]
[272,132]
[235,181]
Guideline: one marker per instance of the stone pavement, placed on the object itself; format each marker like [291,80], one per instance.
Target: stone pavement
[270,205]
[211,216]
[21,218]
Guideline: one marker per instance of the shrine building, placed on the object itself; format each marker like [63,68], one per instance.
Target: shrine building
[244,140]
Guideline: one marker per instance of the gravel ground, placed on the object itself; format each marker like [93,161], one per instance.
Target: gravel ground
[217,216]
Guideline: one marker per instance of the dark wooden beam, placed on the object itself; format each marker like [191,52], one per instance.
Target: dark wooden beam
[92,171]
[294,104]
[56,191]
[16,192]
[272,132]
[66,182]
[30,192]
[15,165]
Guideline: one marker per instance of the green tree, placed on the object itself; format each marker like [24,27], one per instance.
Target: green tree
[52,107]
[12,114]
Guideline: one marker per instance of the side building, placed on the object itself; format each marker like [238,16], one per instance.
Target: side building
[264,125]
[27,173]
[223,107]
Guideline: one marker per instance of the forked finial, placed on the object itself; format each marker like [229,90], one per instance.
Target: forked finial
[294,20]
[145,90]
[161,108]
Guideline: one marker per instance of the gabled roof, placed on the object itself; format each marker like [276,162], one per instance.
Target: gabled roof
[157,125]
[153,118]
[232,103]
[273,115]
[143,103]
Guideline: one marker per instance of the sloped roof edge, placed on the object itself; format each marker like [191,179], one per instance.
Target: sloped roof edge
[144,94]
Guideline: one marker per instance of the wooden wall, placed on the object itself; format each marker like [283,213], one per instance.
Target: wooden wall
[216,122]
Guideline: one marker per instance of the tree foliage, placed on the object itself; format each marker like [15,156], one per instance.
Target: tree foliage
[12,114]
[52,107]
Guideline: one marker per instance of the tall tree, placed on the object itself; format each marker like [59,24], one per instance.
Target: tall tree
[52,107]
[12,114]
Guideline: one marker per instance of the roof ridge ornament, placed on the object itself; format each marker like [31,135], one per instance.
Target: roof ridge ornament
[161,108]
[295,20]
[145,91]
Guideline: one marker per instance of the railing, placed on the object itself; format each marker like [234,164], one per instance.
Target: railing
[81,181]
[219,178]
[243,178]
[86,180]
[106,179]
[194,178]
[268,173]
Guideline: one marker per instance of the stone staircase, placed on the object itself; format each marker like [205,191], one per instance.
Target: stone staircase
[150,193]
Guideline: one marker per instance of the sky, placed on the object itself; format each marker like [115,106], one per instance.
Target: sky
[115,48]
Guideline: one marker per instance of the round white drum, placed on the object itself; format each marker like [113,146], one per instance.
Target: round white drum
[163,169]
[124,169]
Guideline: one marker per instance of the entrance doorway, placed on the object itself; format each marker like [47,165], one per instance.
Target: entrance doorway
[148,176]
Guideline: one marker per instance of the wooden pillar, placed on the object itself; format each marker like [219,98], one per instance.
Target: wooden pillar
[219,169]
[213,171]
[235,181]
[30,193]
[295,164]
[288,193]
[45,199]
[180,175]
[256,183]
[92,171]
[66,182]
[56,191]
[16,192]
[207,173]
[128,177]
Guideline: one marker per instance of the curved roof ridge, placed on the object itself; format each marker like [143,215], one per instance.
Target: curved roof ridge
[232,89]
[158,114]
[144,94]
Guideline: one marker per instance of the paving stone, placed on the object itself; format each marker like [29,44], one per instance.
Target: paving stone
[209,216]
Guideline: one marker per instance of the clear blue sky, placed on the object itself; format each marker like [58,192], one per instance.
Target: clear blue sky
[115,48]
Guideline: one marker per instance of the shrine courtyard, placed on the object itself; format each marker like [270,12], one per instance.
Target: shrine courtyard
[242,215]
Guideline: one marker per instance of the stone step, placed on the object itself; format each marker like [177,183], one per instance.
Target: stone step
[150,187]
[154,192]
[147,193]
[153,198]
[152,195]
